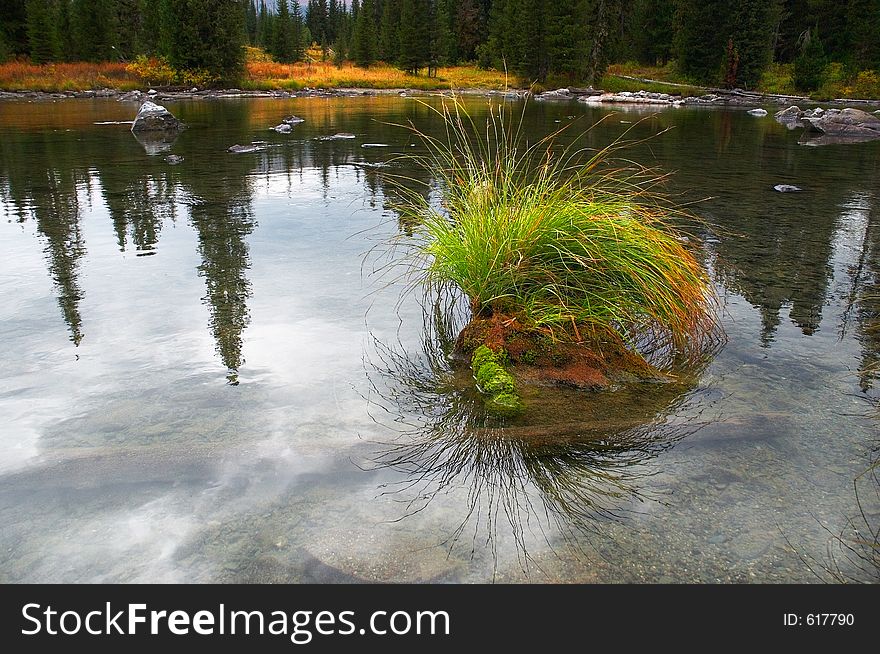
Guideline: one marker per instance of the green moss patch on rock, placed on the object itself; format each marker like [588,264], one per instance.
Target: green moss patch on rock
[494,381]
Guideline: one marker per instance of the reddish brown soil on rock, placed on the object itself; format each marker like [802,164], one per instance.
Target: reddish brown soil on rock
[537,358]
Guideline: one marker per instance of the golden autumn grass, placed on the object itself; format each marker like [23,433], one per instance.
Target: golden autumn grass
[25,76]
[260,75]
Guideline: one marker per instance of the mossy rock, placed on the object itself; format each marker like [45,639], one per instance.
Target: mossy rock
[493,380]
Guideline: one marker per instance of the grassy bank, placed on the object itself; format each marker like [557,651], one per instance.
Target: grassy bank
[260,75]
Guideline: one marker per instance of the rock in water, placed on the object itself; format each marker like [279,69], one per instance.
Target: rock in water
[153,117]
[758,112]
[847,122]
[283,128]
[787,188]
[173,159]
[293,120]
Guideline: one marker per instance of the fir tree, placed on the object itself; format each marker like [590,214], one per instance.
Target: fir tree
[364,44]
[752,27]
[566,39]
[205,35]
[13,26]
[93,26]
[446,37]
[700,38]
[389,36]
[415,40]
[651,31]
[809,67]
[251,22]
[265,26]
[296,31]
[283,45]
[41,30]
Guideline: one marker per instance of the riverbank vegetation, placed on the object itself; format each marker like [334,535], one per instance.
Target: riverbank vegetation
[824,47]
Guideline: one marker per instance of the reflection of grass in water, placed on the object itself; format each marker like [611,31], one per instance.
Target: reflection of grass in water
[566,474]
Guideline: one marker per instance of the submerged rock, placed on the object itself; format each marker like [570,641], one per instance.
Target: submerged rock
[292,120]
[244,149]
[152,117]
[341,136]
[283,128]
[173,159]
[757,112]
[787,188]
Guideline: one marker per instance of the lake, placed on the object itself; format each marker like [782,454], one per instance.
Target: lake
[213,372]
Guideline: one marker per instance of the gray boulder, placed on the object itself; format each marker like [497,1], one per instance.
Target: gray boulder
[283,128]
[845,123]
[153,117]
[789,116]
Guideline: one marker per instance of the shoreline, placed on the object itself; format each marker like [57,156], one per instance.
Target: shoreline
[593,97]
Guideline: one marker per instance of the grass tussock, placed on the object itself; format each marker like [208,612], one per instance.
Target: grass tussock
[557,239]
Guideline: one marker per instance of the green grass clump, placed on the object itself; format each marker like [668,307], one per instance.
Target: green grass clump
[558,240]
[493,380]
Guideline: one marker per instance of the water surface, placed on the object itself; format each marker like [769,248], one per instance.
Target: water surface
[202,380]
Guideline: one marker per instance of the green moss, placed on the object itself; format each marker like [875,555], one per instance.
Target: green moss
[494,381]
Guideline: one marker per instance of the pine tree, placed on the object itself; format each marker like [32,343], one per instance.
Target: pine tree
[41,29]
[700,38]
[93,26]
[365,38]
[863,27]
[265,26]
[129,27]
[470,27]
[651,31]
[296,31]
[566,39]
[13,26]
[447,38]
[389,34]
[415,40]
[809,67]
[283,45]
[251,22]
[205,35]
[751,30]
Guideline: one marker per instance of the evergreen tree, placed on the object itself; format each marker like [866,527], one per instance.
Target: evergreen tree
[566,39]
[364,44]
[93,26]
[265,26]
[13,26]
[129,27]
[205,35]
[651,31]
[470,27]
[389,36]
[415,40]
[283,45]
[446,37]
[751,30]
[296,31]
[700,38]
[809,67]
[251,22]
[42,36]
[863,28]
